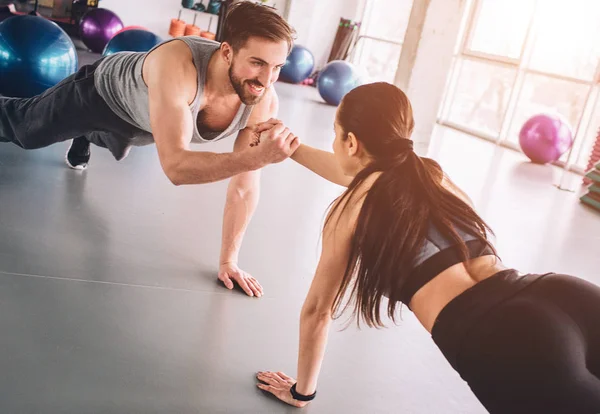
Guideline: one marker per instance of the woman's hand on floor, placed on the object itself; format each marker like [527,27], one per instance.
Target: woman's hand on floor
[279,384]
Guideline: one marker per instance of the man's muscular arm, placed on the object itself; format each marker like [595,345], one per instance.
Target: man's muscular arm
[171,87]
[242,199]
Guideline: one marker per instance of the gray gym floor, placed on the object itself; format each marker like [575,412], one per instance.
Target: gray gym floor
[109,301]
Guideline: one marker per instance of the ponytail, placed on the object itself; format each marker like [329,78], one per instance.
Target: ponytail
[408,196]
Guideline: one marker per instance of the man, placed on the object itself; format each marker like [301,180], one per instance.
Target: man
[186,89]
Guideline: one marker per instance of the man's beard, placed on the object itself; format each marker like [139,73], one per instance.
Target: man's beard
[239,86]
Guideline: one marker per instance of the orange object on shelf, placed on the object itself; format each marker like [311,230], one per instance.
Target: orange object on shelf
[177,28]
[208,35]
[192,29]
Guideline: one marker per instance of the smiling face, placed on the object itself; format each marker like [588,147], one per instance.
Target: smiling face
[255,67]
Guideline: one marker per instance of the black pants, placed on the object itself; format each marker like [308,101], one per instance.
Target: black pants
[526,344]
[68,110]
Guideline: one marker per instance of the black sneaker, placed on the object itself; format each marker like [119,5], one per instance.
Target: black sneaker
[78,155]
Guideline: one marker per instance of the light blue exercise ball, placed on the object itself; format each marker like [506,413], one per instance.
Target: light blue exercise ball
[298,66]
[336,79]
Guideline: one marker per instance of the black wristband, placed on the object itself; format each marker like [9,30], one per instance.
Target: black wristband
[301,397]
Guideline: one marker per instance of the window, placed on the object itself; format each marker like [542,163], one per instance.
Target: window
[481,96]
[544,94]
[379,43]
[378,59]
[387,19]
[566,41]
[500,27]
[523,57]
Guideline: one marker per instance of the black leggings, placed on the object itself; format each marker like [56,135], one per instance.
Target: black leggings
[70,109]
[526,344]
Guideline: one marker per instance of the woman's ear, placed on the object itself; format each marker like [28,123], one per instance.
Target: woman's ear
[352,144]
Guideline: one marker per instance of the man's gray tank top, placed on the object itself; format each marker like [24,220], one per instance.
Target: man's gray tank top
[119,82]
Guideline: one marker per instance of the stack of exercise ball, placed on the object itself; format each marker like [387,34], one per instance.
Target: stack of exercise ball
[544,138]
[97,27]
[336,79]
[592,197]
[35,54]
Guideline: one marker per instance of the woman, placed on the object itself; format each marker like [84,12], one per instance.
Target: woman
[403,232]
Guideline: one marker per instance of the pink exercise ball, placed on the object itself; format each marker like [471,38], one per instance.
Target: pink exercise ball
[545,138]
[131,28]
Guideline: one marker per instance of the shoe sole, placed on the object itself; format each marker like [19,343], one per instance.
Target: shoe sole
[80,167]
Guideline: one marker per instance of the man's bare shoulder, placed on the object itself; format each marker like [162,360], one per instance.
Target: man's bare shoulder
[172,60]
[173,49]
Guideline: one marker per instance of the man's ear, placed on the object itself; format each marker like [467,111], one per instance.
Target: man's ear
[227,52]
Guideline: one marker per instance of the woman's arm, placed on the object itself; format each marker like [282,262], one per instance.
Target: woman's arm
[316,314]
[322,163]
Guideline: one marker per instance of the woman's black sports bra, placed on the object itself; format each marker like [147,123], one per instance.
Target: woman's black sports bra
[437,255]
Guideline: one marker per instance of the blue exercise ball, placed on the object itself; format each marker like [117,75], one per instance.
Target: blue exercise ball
[35,54]
[132,40]
[336,79]
[298,66]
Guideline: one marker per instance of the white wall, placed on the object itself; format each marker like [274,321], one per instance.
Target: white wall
[155,15]
[316,22]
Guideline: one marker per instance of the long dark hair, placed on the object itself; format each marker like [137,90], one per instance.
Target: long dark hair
[408,196]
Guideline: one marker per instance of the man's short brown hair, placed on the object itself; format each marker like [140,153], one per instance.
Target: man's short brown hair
[246,19]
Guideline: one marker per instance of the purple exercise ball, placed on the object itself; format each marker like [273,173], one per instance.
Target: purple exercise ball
[545,138]
[97,27]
